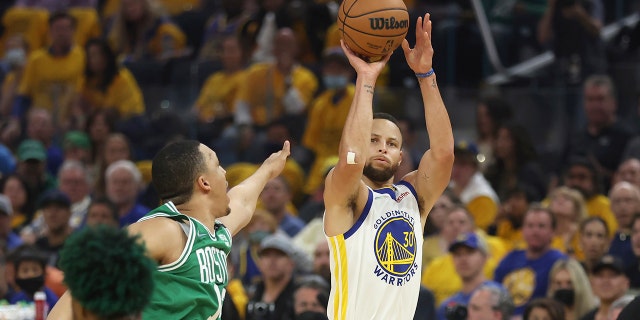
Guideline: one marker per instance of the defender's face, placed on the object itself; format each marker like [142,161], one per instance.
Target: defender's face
[216,176]
[385,151]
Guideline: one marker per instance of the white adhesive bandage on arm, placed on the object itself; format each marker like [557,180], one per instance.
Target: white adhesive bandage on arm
[351,158]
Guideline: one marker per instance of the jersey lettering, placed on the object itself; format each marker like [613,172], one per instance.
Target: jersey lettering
[213,265]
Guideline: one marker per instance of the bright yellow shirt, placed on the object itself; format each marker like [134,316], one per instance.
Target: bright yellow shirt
[265,88]
[599,206]
[53,81]
[443,280]
[123,95]
[324,129]
[31,23]
[218,94]
[484,211]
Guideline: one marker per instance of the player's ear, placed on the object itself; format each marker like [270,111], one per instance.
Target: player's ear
[203,183]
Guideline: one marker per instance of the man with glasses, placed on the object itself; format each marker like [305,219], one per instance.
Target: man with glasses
[490,302]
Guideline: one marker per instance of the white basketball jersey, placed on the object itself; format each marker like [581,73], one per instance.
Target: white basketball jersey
[375,265]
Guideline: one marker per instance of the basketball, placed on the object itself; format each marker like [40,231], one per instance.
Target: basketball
[373,28]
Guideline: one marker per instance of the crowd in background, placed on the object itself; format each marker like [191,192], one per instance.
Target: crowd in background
[516,233]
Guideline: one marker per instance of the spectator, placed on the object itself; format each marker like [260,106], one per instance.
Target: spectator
[21,201]
[437,217]
[516,162]
[568,207]
[29,264]
[261,225]
[102,212]
[321,261]
[43,84]
[470,253]
[116,147]
[31,168]
[77,147]
[234,305]
[215,105]
[40,127]
[609,283]
[569,285]
[15,58]
[544,308]
[311,295]
[508,224]
[108,86]
[633,270]
[327,115]
[581,174]
[56,211]
[54,5]
[525,273]
[491,113]
[604,138]
[457,220]
[468,184]
[625,203]
[629,171]
[140,31]
[594,241]
[490,303]
[9,239]
[118,289]
[260,30]
[222,24]
[73,181]
[276,89]
[124,183]
[100,124]
[274,197]
[273,298]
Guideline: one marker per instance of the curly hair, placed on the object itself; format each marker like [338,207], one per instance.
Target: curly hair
[107,271]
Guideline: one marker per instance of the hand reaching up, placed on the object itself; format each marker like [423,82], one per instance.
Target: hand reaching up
[420,58]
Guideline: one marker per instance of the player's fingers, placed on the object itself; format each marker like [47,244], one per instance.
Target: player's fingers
[419,27]
[405,47]
[428,25]
[286,147]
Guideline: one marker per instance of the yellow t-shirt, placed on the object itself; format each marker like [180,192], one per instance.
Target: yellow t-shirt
[238,296]
[599,206]
[31,23]
[484,210]
[88,24]
[442,279]
[123,95]
[264,89]
[324,130]
[218,94]
[53,81]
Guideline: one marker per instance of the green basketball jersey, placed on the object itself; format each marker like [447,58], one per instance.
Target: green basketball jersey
[193,287]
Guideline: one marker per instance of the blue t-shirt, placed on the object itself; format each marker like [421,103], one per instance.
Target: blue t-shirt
[291,225]
[526,279]
[461,299]
[19,296]
[138,211]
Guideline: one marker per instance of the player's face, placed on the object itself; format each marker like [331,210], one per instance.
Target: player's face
[385,153]
[216,177]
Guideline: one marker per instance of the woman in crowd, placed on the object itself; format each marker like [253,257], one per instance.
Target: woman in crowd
[569,285]
[594,241]
[568,206]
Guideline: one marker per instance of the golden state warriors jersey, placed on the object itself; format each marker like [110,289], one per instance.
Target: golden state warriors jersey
[375,265]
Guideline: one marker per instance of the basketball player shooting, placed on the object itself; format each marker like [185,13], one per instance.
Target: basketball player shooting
[374,227]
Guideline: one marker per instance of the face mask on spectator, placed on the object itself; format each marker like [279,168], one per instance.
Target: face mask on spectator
[565,296]
[31,285]
[335,82]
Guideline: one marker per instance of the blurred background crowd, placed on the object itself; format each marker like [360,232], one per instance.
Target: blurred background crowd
[544,97]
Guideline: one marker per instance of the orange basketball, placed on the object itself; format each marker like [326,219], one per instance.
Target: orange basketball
[373,28]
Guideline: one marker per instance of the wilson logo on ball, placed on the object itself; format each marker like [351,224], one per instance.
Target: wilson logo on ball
[388,23]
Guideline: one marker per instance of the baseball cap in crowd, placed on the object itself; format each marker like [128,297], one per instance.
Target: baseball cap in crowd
[470,240]
[5,205]
[610,262]
[31,150]
[277,242]
[76,139]
[54,196]
[466,151]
